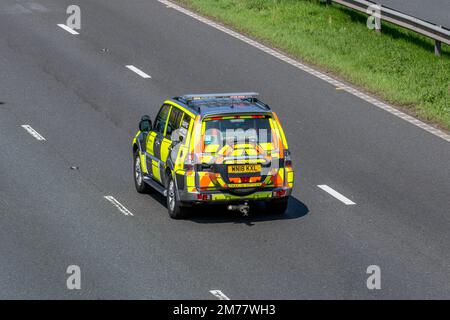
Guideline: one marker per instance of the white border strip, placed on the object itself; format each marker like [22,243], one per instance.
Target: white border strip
[219,294]
[313,72]
[33,132]
[118,205]
[68,29]
[336,194]
[139,72]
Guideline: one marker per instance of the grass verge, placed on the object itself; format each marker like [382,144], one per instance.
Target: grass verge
[397,65]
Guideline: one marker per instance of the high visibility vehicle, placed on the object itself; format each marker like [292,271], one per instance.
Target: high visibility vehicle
[205,149]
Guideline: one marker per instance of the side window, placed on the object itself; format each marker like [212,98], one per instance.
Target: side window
[161,119]
[184,126]
[174,121]
[186,121]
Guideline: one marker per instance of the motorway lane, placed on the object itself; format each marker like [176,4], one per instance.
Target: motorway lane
[53,217]
[435,11]
[76,95]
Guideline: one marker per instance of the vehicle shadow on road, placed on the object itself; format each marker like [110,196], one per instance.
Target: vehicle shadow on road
[220,214]
[158,198]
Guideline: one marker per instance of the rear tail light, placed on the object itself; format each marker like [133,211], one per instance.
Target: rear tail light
[279,193]
[203,197]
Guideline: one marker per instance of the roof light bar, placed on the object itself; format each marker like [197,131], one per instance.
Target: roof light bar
[208,96]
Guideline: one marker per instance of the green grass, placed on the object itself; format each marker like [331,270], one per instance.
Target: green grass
[397,65]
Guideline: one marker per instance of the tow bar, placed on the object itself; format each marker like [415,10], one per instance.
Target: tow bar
[243,208]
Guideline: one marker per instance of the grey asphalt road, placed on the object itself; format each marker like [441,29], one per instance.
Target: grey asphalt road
[86,104]
[435,11]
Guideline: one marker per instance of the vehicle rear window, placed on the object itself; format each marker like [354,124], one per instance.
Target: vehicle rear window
[237,130]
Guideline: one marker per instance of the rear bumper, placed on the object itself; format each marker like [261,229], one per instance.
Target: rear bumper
[225,197]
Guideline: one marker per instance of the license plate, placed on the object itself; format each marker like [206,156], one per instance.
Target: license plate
[244,185]
[244,168]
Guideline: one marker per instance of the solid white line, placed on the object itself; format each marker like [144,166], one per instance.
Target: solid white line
[313,72]
[336,194]
[139,72]
[33,132]
[70,30]
[219,294]
[118,205]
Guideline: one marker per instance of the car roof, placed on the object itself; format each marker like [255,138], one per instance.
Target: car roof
[222,103]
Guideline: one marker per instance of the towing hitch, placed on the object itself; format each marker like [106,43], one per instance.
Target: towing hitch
[242,208]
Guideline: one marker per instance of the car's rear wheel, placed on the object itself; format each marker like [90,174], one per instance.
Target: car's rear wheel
[278,206]
[176,210]
[139,183]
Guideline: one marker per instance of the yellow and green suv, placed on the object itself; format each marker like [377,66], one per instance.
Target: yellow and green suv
[205,149]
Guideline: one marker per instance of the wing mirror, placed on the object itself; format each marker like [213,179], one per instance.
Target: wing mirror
[145,124]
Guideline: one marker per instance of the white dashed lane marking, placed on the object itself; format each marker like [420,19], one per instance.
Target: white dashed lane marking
[219,294]
[139,72]
[33,132]
[118,205]
[313,72]
[336,194]
[68,29]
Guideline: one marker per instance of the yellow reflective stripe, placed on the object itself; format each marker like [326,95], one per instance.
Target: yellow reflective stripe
[143,162]
[280,130]
[190,179]
[289,177]
[290,174]
[167,121]
[258,195]
[251,152]
[155,170]
[164,150]
[150,143]
[212,148]
[179,162]
[266,146]
[135,138]
[220,181]
[236,152]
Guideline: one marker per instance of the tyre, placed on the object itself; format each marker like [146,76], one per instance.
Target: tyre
[139,183]
[278,206]
[176,210]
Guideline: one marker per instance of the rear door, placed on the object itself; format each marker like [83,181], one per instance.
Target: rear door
[179,150]
[173,124]
[154,140]
[239,147]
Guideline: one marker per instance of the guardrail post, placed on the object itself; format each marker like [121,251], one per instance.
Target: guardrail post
[378,26]
[437,48]
[328,2]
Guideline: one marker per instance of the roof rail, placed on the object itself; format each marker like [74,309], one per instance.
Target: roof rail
[207,96]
